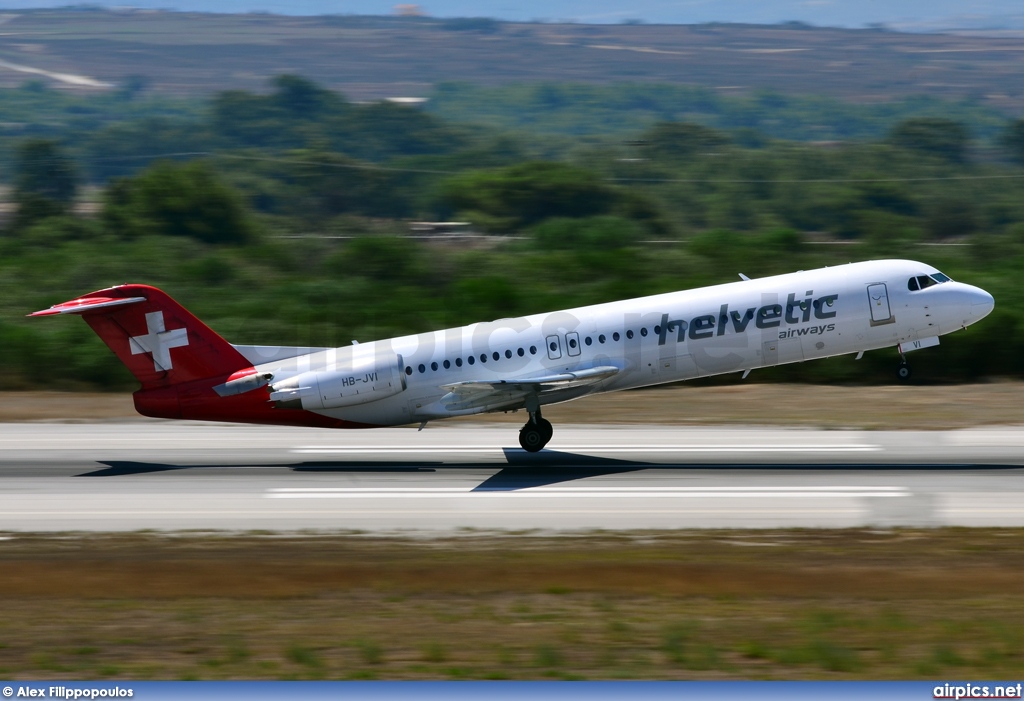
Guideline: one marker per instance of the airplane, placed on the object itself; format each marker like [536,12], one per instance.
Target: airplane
[187,371]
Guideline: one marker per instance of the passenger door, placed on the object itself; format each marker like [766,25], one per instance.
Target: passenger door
[878,300]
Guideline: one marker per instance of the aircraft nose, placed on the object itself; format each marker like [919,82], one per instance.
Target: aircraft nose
[982,303]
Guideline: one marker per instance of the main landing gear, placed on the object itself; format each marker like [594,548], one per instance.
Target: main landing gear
[536,433]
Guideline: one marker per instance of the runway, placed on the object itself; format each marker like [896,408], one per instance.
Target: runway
[130,476]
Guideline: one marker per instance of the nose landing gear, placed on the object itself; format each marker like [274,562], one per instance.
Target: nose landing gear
[536,433]
[903,373]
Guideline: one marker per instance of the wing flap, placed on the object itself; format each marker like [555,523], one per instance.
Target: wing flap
[476,393]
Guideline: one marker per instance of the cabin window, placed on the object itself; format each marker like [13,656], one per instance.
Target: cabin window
[657,330]
[643,331]
[521,352]
[600,339]
[458,362]
[471,360]
[508,354]
[553,346]
[495,355]
[447,364]
[533,350]
[433,366]
[629,334]
[483,357]
[422,368]
[408,370]
[572,342]
[615,336]
[588,340]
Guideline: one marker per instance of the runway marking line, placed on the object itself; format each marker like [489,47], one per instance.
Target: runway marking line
[583,492]
[709,448]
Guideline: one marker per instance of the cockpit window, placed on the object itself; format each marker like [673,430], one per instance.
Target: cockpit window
[922,281]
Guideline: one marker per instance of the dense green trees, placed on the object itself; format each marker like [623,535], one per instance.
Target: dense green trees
[45,182]
[679,140]
[299,114]
[935,136]
[514,198]
[628,108]
[172,199]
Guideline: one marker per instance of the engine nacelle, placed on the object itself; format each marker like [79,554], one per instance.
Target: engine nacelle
[364,379]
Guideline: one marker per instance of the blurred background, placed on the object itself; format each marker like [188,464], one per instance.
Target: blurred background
[317,179]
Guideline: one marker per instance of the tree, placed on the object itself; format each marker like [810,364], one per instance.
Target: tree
[302,98]
[592,233]
[383,130]
[125,148]
[944,138]
[175,199]
[675,140]
[522,195]
[325,184]
[954,215]
[45,182]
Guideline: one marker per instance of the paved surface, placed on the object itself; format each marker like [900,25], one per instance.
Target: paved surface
[171,476]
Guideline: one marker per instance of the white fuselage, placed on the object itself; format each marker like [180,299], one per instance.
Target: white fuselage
[732,327]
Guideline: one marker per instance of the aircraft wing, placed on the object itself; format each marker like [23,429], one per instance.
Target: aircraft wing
[475,393]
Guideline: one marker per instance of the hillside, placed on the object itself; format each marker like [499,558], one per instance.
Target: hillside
[375,57]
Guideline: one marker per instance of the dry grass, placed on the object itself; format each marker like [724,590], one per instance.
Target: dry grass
[879,407]
[784,604]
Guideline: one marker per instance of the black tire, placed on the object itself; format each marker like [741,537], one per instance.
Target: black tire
[903,373]
[546,429]
[531,438]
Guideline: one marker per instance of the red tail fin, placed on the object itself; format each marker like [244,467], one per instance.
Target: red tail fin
[157,338]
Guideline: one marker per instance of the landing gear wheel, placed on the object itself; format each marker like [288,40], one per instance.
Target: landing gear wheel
[531,438]
[535,435]
[903,373]
[546,429]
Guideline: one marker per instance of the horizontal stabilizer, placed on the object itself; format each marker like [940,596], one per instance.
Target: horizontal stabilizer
[85,304]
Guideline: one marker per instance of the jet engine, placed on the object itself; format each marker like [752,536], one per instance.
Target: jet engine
[361,380]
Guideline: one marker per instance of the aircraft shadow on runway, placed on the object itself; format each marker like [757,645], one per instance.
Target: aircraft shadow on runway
[547,467]
[122,468]
[524,470]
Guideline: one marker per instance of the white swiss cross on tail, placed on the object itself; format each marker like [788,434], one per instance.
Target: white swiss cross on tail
[158,341]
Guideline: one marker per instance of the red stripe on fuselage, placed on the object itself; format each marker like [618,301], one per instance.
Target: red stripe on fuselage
[198,402]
